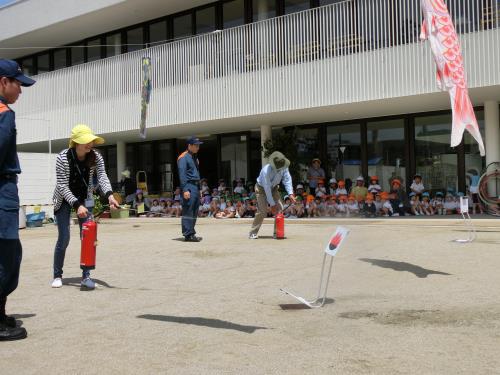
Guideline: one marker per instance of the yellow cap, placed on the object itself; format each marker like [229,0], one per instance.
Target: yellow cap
[82,134]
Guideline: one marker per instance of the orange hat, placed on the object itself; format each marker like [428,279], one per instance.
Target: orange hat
[310,198]
[369,196]
[352,197]
[343,197]
[384,195]
[341,183]
[374,178]
[396,181]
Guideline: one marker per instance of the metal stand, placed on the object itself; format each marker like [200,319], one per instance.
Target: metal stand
[464,210]
[320,300]
[470,228]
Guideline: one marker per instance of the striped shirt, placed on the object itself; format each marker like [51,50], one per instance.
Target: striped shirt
[63,192]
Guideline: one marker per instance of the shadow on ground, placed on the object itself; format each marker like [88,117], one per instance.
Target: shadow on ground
[203,322]
[76,282]
[403,267]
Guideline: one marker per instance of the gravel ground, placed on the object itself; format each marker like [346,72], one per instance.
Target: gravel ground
[403,299]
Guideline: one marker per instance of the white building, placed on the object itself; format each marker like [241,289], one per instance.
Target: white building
[351,75]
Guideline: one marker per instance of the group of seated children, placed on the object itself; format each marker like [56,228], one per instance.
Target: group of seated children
[372,201]
[337,200]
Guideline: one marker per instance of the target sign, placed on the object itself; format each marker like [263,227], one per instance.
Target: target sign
[336,241]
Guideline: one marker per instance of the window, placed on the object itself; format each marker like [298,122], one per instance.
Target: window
[263,9]
[474,163]
[60,59]
[344,152]
[233,13]
[307,149]
[435,160]
[205,20]
[328,2]
[234,158]
[113,44]
[292,6]
[386,151]
[135,39]
[158,33]
[43,63]
[77,54]
[183,26]
[27,66]
[94,49]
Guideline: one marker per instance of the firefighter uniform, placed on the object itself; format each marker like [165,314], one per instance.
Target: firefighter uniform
[10,246]
[189,176]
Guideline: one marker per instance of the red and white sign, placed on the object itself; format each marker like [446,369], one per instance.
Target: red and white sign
[336,241]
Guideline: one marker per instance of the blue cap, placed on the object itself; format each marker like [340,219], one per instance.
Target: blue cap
[11,69]
[194,141]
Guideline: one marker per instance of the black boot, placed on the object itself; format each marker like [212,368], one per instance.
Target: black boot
[10,334]
[192,238]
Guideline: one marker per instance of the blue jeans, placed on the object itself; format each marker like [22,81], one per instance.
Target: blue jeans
[190,211]
[63,215]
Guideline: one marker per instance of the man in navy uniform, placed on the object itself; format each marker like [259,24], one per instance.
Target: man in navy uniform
[189,176]
[11,80]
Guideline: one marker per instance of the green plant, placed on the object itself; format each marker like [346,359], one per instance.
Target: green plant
[285,142]
[98,207]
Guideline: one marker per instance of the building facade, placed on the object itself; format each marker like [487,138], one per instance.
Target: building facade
[350,78]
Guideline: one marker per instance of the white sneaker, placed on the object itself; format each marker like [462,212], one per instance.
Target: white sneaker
[88,283]
[253,236]
[57,283]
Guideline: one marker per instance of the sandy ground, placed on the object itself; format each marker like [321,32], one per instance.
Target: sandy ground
[403,299]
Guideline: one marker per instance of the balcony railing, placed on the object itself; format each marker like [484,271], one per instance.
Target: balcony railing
[268,66]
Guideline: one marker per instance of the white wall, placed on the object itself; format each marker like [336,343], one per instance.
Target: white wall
[37,180]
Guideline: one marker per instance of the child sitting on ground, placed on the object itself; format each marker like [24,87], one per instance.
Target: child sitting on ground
[341,206]
[321,190]
[177,207]
[438,204]
[341,190]
[330,206]
[312,207]
[426,204]
[155,210]
[449,205]
[214,207]
[205,204]
[374,187]
[228,213]
[168,211]
[369,208]
[387,208]
[415,204]
[352,206]
[239,188]
[139,203]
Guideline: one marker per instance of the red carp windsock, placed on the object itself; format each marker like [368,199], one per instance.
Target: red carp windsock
[439,29]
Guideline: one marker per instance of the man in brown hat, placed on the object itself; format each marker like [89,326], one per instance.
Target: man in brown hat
[267,189]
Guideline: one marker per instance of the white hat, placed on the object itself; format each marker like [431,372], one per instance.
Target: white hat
[126,173]
[300,186]
[360,178]
[333,181]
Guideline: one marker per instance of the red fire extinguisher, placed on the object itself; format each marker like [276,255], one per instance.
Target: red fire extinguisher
[279,226]
[89,243]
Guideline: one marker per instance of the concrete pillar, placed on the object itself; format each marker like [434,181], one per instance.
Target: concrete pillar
[492,131]
[121,157]
[265,134]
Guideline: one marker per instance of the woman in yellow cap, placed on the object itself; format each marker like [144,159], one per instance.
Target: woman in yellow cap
[76,167]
